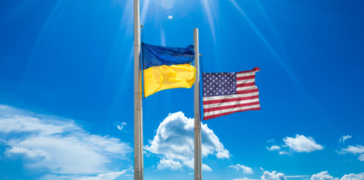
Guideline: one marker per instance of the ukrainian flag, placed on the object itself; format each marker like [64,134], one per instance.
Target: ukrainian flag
[167,68]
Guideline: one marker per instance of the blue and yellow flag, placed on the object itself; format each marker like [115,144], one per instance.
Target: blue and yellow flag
[167,68]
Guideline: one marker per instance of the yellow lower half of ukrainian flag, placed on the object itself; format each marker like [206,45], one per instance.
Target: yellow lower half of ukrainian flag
[158,78]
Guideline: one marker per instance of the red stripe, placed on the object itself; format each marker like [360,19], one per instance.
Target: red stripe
[245,78]
[247,91]
[223,114]
[245,84]
[229,107]
[255,69]
[206,102]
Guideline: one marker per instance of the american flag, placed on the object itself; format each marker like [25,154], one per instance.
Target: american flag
[226,93]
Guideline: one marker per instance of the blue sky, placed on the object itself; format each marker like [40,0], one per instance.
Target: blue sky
[66,85]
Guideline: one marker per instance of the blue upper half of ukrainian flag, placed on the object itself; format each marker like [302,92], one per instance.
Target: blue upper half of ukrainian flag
[167,68]
[159,55]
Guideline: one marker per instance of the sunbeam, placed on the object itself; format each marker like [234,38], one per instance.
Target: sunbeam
[41,35]
[280,60]
[144,11]
[211,16]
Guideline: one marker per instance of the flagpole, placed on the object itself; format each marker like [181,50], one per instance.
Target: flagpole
[198,158]
[138,112]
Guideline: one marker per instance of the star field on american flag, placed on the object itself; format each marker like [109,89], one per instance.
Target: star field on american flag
[219,84]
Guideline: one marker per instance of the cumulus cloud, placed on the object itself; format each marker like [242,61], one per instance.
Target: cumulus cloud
[284,152]
[103,176]
[302,144]
[246,169]
[174,141]
[206,167]
[169,163]
[342,139]
[324,175]
[223,154]
[31,153]
[361,157]
[353,176]
[272,148]
[58,145]
[272,176]
[358,149]
[120,126]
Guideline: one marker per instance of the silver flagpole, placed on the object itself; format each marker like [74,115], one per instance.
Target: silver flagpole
[198,158]
[138,112]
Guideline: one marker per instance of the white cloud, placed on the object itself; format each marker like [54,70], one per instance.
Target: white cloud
[361,157]
[323,176]
[342,139]
[272,148]
[170,17]
[58,145]
[206,168]
[284,152]
[272,176]
[169,163]
[120,126]
[246,169]
[358,149]
[261,169]
[223,154]
[353,177]
[30,153]
[103,176]
[174,140]
[302,144]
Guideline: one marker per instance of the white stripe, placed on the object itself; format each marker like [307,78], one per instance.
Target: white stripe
[245,74]
[230,110]
[230,103]
[245,81]
[229,96]
[246,88]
